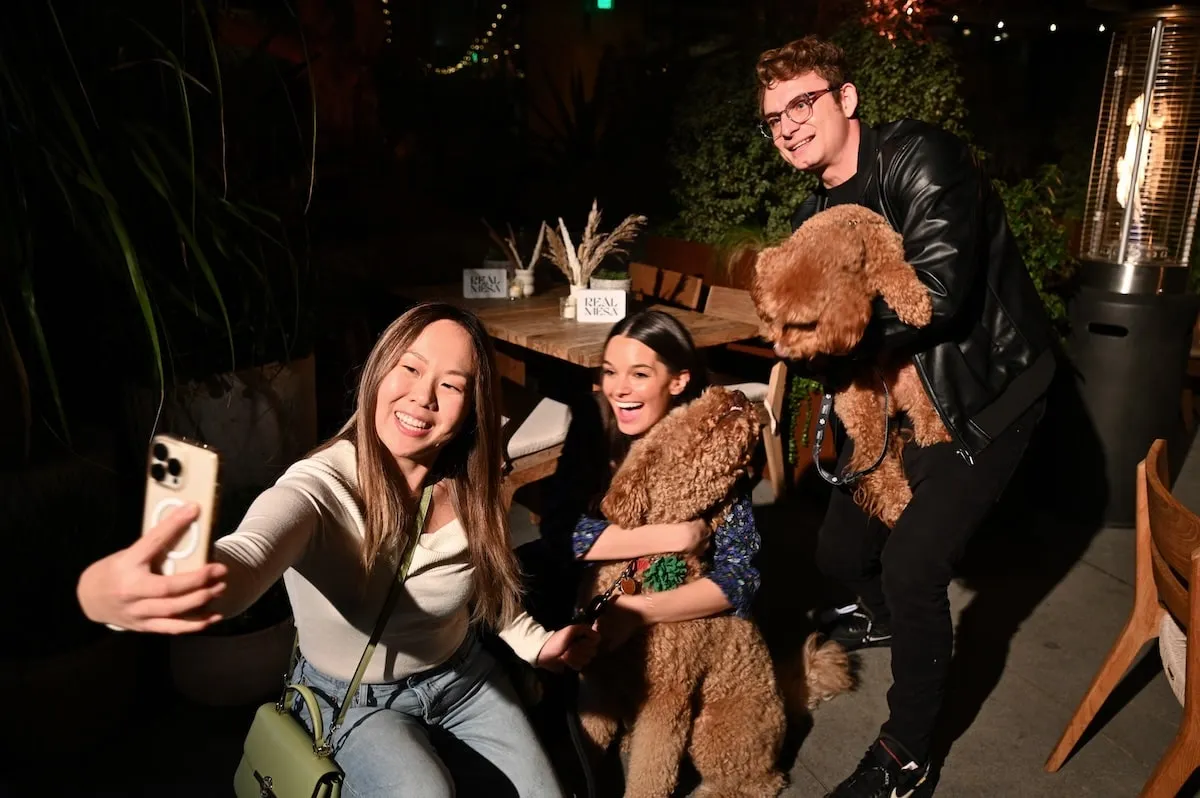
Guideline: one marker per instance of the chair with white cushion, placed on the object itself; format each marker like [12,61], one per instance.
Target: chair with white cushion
[533,437]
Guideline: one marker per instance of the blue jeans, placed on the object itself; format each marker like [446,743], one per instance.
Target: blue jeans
[434,733]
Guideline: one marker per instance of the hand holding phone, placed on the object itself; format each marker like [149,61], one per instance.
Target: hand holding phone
[123,591]
[180,473]
[163,582]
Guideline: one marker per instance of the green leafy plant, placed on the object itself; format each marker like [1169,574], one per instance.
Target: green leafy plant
[610,273]
[798,412]
[120,180]
[1035,216]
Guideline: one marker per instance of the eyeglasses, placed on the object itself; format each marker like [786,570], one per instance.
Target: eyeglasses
[799,111]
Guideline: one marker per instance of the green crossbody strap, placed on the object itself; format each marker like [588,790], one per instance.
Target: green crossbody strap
[385,612]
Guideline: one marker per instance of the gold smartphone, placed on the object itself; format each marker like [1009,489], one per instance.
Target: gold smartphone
[178,472]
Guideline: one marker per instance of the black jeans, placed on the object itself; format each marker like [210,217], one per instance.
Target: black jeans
[902,575]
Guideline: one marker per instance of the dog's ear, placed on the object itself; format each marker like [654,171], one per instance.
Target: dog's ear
[889,274]
[627,503]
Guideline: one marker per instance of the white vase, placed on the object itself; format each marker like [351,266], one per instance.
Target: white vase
[525,280]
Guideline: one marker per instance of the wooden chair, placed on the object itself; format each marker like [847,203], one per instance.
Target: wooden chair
[643,280]
[533,430]
[680,289]
[735,304]
[1168,547]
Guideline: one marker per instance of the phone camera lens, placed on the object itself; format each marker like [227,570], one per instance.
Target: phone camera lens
[158,472]
[160,451]
[174,467]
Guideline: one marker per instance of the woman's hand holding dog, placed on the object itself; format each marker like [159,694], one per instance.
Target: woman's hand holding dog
[618,543]
[620,620]
[627,614]
[692,537]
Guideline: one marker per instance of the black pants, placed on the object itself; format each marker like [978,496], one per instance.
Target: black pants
[902,575]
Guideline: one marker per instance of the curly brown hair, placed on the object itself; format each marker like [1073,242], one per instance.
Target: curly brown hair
[799,57]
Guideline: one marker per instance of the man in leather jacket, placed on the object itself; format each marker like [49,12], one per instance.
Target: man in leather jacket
[985,360]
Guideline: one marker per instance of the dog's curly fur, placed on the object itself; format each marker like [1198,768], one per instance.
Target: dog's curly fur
[814,294]
[709,682]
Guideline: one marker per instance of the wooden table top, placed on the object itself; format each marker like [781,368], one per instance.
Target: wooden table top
[535,323]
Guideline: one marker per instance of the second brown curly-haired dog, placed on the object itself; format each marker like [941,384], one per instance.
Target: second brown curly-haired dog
[707,687]
[814,294]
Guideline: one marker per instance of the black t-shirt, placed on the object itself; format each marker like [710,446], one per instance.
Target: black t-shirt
[846,193]
[850,192]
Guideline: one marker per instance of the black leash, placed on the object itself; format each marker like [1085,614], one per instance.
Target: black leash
[823,424]
[588,615]
[576,730]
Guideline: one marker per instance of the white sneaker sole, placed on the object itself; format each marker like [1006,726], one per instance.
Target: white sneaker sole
[910,793]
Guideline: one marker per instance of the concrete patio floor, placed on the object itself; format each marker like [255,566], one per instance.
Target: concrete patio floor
[1035,615]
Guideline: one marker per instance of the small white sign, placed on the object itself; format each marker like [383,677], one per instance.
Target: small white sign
[485,283]
[600,306]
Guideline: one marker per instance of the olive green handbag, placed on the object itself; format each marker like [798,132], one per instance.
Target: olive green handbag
[280,758]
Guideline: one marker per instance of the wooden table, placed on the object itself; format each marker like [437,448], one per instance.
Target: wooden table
[535,324]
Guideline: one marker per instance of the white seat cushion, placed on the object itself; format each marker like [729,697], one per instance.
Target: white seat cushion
[544,427]
[1172,649]
[754,391]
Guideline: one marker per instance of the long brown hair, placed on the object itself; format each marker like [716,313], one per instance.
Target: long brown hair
[470,464]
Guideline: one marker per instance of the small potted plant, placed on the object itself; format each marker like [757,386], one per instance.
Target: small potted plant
[611,278]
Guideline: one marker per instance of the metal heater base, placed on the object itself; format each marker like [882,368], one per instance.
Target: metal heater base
[1128,279]
[1130,354]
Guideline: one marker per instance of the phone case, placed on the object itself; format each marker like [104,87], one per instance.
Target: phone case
[178,472]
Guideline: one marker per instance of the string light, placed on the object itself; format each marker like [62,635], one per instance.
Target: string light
[1002,32]
[474,54]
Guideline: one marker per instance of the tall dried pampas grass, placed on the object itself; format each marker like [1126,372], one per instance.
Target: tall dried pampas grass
[579,264]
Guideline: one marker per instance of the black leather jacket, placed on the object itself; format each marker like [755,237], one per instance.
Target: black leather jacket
[987,355]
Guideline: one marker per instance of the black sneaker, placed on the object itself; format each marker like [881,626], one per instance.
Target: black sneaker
[854,628]
[884,772]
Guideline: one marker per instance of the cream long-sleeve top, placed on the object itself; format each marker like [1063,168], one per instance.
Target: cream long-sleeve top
[309,528]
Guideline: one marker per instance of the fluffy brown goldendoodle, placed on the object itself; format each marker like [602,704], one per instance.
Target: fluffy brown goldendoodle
[708,686]
[814,294]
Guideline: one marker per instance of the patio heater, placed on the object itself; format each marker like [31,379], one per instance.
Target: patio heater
[1132,321]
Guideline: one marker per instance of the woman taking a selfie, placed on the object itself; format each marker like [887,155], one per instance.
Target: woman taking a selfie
[334,526]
